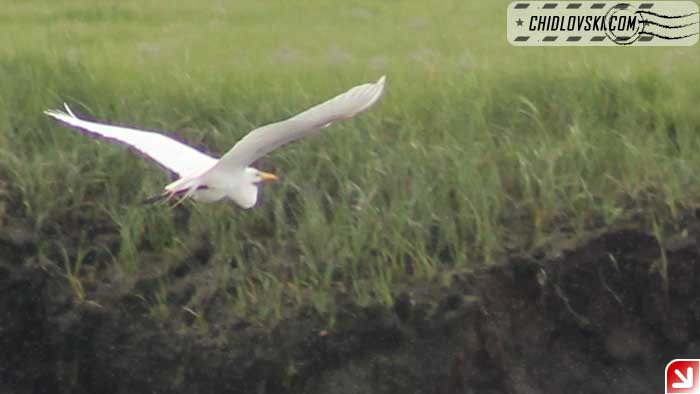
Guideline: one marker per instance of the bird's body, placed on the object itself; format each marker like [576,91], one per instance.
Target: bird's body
[207,179]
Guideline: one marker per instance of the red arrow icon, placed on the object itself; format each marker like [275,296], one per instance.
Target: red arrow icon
[686,380]
[682,376]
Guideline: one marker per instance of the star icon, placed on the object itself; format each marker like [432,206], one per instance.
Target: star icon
[519,22]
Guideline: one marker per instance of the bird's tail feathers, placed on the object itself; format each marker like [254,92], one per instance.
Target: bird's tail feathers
[181,188]
[184,184]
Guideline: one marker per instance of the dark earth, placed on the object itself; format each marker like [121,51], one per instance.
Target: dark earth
[600,313]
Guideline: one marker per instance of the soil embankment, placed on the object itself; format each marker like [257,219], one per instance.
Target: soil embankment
[599,314]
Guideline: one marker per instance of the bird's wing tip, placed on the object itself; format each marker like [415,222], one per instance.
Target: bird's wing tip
[54,113]
[57,113]
[68,110]
[381,85]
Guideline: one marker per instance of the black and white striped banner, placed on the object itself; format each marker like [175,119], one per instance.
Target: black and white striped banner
[605,23]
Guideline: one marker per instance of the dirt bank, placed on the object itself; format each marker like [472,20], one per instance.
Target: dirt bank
[591,315]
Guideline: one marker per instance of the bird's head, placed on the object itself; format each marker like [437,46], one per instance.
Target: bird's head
[258,177]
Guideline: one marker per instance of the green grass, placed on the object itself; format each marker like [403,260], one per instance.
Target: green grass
[478,149]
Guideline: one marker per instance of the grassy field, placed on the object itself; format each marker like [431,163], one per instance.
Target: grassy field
[478,149]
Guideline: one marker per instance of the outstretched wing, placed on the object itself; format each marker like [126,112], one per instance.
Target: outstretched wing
[171,154]
[269,137]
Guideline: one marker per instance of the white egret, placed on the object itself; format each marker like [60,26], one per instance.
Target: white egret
[208,179]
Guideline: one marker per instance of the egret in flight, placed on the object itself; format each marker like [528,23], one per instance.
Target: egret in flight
[208,179]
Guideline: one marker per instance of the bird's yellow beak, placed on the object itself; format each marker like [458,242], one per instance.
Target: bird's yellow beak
[267,177]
